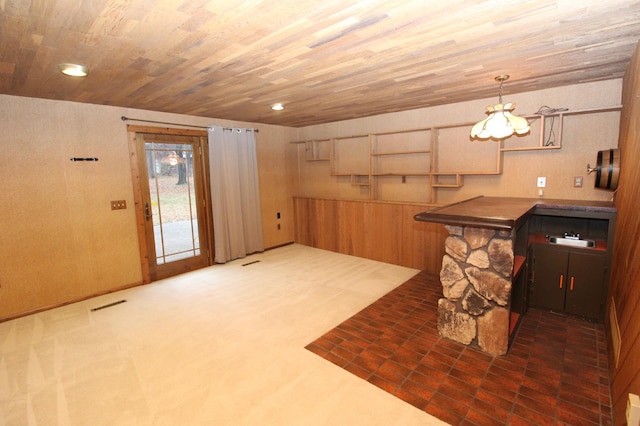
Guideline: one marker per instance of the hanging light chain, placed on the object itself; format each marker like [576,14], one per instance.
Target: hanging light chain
[501,78]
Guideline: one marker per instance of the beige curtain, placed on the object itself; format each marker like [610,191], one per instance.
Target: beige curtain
[235,193]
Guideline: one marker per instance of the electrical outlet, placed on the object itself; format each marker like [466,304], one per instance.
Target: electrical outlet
[119,205]
[542,182]
[577,181]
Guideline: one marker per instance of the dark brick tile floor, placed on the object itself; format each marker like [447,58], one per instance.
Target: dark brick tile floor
[555,372]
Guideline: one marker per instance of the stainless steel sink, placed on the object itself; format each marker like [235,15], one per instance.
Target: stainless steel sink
[571,241]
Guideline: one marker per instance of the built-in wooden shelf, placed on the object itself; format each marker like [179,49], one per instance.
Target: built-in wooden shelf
[530,148]
[514,317]
[419,152]
[402,174]
[518,263]
[401,152]
[360,180]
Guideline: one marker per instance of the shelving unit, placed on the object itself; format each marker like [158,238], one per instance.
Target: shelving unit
[518,263]
[381,163]
[520,281]
[391,166]
[349,157]
[360,180]
[545,129]
[317,150]
[435,182]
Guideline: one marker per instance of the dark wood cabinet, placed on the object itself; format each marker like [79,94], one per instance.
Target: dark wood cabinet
[548,286]
[568,280]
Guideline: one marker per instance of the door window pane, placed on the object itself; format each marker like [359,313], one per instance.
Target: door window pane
[173,201]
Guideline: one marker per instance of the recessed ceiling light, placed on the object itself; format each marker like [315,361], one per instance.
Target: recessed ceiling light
[74,70]
[277,107]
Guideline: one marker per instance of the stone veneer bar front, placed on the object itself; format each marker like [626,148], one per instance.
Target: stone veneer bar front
[476,283]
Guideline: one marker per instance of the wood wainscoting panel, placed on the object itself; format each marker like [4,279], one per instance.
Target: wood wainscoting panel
[351,238]
[625,264]
[375,230]
[315,223]
[423,242]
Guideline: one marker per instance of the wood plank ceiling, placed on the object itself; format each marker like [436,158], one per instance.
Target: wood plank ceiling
[326,60]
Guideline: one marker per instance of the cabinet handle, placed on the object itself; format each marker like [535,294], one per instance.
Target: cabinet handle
[571,284]
[561,280]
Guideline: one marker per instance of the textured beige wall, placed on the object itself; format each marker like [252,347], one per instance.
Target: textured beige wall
[60,240]
[583,137]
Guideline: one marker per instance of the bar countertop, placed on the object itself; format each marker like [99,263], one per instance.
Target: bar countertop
[504,212]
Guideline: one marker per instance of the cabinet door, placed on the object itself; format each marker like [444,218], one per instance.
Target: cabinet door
[584,286]
[549,278]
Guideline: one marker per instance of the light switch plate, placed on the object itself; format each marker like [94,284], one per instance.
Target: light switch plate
[542,182]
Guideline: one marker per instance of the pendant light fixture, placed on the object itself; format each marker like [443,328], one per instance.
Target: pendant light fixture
[500,123]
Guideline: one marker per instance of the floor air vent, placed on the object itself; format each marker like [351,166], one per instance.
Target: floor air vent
[108,305]
[251,263]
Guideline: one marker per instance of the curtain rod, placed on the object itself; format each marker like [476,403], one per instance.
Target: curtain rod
[124,118]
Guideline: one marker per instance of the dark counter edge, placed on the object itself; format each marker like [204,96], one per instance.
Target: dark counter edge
[537,206]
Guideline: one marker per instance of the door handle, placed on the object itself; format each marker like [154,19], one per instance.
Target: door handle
[571,284]
[561,280]
[147,212]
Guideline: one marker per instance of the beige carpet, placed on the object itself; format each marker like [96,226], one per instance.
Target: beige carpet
[219,346]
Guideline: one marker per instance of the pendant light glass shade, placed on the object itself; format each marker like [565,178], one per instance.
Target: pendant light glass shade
[500,123]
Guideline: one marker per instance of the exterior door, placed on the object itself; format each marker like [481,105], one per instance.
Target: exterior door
[171,203]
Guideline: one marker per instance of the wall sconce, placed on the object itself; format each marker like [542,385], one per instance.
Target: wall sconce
[500,123]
